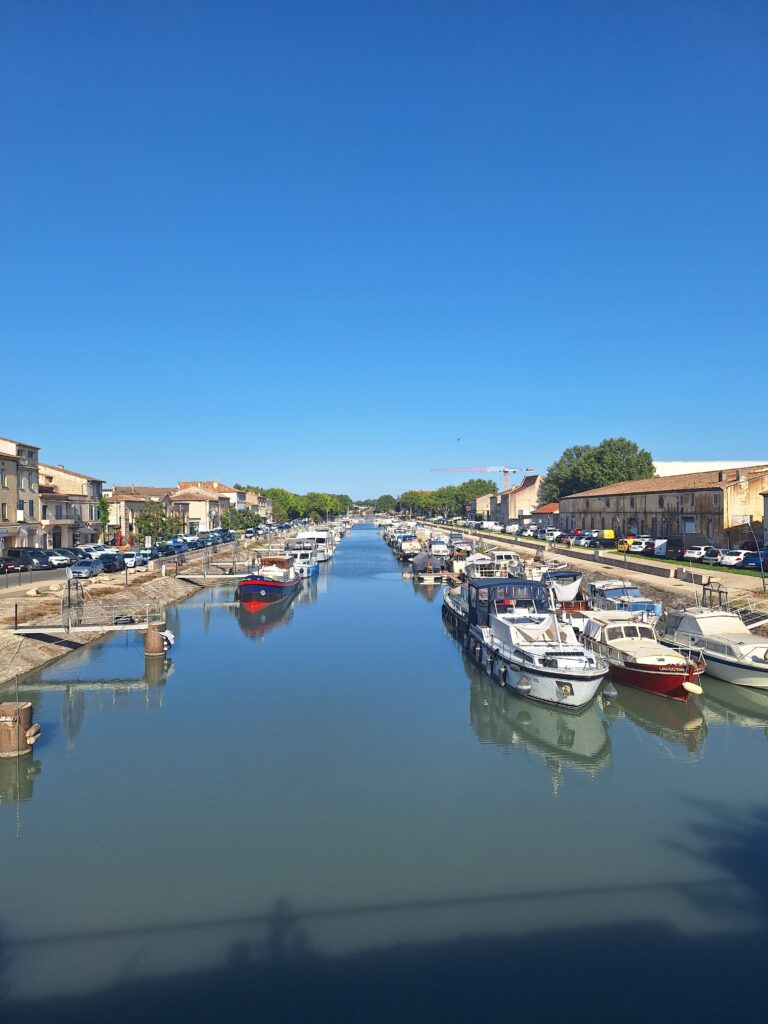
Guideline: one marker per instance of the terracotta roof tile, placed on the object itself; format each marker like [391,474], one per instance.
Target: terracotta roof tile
[681,482]
[63,469]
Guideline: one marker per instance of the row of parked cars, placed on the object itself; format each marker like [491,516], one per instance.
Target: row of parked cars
[684,547]
[93,559]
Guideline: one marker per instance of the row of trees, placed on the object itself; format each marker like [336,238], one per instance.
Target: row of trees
[446,501]
[584,466]
[315,505]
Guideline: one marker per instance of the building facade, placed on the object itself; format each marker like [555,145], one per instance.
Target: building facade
[238,498]
[480,508]
[724,505]
[69,507]
[198,508]
[546,515]
[126,503]
[514,505]
[20,524]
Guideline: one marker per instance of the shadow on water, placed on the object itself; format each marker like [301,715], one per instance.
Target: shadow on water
[632,971]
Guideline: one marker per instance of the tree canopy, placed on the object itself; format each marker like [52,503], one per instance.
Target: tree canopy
[446,501]
[315,505]
[153,522]
[583,467]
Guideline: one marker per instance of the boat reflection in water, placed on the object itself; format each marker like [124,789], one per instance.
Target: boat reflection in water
[681,723]
[726,704]
[256,620]
[427,591]
[564,739]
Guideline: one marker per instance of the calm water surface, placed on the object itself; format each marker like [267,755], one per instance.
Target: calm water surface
[330,814]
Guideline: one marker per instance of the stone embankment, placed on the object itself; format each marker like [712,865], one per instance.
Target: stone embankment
[147,586]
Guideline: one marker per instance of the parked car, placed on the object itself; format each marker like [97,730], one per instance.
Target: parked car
[112,563]
[755,560]
[58,559]
[150,553]
[735,556]
[67,553]
[87,568]
[625,543]
[25,560]
[39,557]
[713,556]
[696,552]
[8,565]
[637,547]
[677,543]
[134,558]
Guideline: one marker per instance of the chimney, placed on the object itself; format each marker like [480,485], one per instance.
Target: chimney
[59,465]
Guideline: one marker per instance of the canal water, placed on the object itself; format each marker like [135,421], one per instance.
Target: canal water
[330,814]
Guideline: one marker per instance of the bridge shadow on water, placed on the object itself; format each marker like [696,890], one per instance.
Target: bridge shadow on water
[636,971]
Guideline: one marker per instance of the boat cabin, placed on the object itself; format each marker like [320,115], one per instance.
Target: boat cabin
[276,561]
[491,597]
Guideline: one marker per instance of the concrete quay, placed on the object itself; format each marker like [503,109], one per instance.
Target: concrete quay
[147,586]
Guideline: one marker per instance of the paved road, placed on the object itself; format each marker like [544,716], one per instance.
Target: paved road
[41,578]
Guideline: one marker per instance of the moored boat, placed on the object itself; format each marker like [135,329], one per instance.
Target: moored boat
[620,596]
[732,652]
[636,657]
[275,580]
[513,632]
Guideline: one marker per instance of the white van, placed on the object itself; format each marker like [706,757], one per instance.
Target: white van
[552,533]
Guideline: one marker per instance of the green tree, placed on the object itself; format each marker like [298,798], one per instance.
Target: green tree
[152,522]
[583,467]
[104,515]
[385,503]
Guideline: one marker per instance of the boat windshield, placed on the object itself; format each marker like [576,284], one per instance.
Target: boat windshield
[622,592]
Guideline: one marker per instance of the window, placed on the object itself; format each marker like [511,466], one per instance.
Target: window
[58,512]
[3,477]
[661,501]
[32,509]
[44,513]
[632,501]
[716,499]
[20,505]
[22,481]
[4,511]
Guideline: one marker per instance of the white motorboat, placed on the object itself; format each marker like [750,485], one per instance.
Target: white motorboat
[731,652]
[514,634]
[621,596]
[323,541]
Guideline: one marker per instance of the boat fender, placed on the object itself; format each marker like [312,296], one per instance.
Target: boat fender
[693,688]
[610,692]
[523,687]
[503,676]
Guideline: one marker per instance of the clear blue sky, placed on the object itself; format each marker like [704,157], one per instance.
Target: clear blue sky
[331,245]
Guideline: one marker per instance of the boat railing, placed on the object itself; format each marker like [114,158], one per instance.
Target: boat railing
[709,644]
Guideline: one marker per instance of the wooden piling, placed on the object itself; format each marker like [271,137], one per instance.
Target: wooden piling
[154,645]
[17,733]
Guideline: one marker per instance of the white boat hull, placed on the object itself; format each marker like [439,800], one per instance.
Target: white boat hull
[566,690]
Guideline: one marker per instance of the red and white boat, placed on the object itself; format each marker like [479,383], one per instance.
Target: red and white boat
[637,658]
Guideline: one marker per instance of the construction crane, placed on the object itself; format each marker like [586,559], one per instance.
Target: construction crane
[505,470]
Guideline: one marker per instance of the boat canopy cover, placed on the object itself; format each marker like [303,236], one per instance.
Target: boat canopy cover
[426,562]
[486,596]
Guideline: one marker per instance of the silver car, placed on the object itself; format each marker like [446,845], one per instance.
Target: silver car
[87,568]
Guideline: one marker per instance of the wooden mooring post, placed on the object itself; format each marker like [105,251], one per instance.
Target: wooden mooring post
[17,733]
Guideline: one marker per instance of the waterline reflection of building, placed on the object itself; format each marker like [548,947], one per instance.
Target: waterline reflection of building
[427,591]
[674,721]
[565,740]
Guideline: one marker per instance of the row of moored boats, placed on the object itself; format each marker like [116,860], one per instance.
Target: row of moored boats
[537,629]
[278,573]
